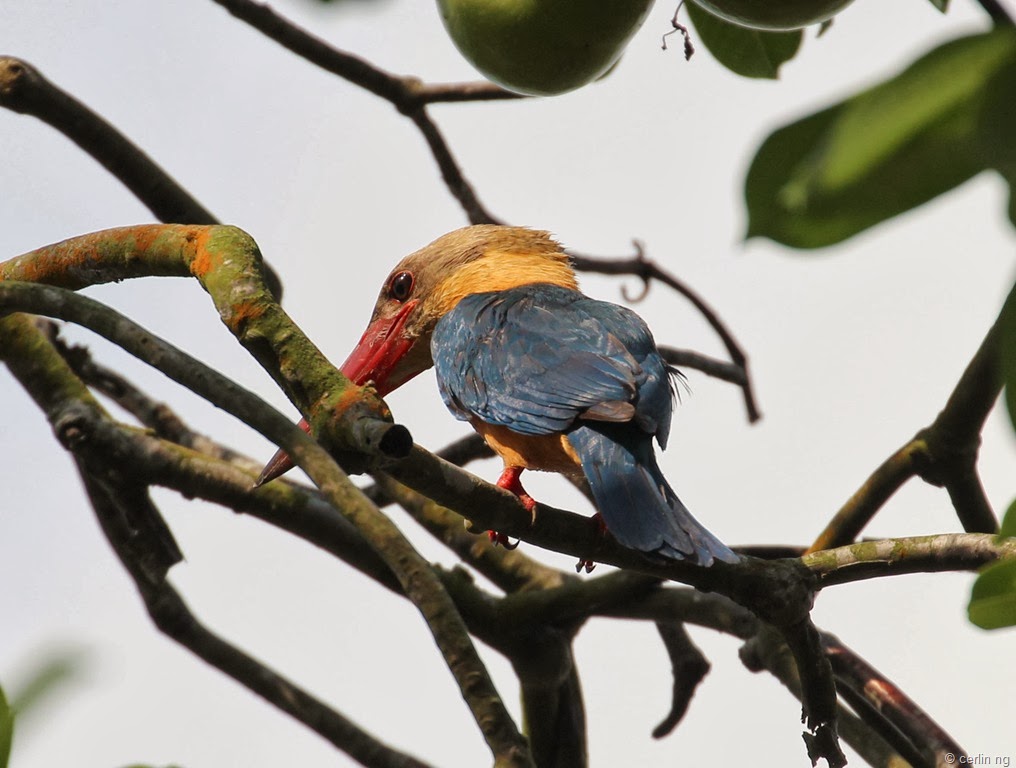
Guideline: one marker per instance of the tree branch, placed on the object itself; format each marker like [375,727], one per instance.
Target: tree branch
[997,12]
[225,260]
[407,95]
[170,614]
[414,574]
[410,97]
[518,617]
[915,554]
[511,570]
[767,651]
[23,89]
[142,540]
[689,667]
[886,708]
[942,454]
[648,271]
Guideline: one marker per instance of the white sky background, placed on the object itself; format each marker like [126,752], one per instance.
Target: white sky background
[853,349]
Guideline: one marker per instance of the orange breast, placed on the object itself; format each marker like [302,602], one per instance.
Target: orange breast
[550,453]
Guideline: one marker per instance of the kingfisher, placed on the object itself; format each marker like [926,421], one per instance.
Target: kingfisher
[551,379]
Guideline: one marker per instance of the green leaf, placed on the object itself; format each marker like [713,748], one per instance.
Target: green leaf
[993,598]
[998,128]
[880,153]
[6,730]
[942,5]
[51,673]
[1009,522]
[747,52]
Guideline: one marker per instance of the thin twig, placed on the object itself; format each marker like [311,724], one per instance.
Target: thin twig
[556,604]
[414,574]
[818,692]
[648,270]
[912,554]
[766,650]
[890,706]
[171,615]
[942,454]
[689,667]
[142,539]
[405,94]
[847,524]
[23,89]
[710,366]
[997,12]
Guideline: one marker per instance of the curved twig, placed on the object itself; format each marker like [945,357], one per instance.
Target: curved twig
[171,615]
[414,574]
[886,708]
[912,554]
[847,524]
[767,651]
[225,260]
[689,667]
[616,594]
[138,533]
[942,454]
[23,89]
[407,95]
[648,270]
[997,12]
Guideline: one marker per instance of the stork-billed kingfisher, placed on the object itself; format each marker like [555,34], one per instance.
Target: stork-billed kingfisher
[551,379]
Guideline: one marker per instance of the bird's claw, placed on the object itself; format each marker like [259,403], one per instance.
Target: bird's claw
[501,539]
[585,564]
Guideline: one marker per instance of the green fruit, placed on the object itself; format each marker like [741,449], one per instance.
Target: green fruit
[777,15]
[542,47]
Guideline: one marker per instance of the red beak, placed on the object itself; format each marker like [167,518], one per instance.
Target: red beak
[373,359]
[378,352]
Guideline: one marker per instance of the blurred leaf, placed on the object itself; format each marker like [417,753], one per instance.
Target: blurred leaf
[1009,522]
[747,52]
[993,598]
[942,5]
[6,729]
[51,672]
[1012,198]
[998,128]
[1007,347]
[882,152]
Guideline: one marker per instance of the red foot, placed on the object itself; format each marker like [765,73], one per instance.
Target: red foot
[509,480]
[501,539]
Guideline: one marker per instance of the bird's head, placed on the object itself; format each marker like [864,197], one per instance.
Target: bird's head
[427,284]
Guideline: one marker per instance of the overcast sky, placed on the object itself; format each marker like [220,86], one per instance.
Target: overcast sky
[853,349]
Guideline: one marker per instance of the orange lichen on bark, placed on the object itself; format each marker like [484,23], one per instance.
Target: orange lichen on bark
[246,311]
[102,257]
[202,261]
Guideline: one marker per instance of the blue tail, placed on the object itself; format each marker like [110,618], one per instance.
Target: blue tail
[637,505]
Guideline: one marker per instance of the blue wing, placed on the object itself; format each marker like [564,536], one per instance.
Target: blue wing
[537,358]
[540,360]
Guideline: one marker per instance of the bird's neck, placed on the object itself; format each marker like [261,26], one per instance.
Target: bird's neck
[501,270]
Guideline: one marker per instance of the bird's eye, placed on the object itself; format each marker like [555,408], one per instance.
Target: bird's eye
[401,286]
